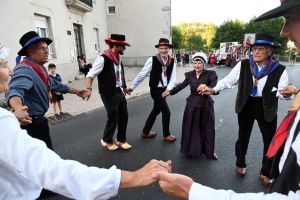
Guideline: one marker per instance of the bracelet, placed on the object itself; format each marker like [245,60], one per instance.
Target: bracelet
[296,91]
[89,88]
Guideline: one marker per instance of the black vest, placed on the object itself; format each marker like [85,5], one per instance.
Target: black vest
[155,74]
[289,178]
[270,101]
[107,78]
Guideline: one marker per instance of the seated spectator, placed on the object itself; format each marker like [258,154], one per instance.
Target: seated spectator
[86,62]
[84,69]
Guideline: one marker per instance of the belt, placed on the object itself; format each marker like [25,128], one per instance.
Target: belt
[37,118]
[161,88]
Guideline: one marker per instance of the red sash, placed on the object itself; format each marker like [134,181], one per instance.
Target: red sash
[45,78]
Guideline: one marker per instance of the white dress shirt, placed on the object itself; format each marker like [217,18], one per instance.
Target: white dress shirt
[199,191]
[27,165]
[98,67]
[232,79]
[147,69]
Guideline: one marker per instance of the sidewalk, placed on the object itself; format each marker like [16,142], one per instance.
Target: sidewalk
[74,105]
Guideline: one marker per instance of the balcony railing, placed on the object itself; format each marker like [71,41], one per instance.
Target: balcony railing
[88,2]
[83,5]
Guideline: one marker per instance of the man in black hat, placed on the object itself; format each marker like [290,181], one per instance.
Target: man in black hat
[31,86]
[162,69]
[109,69]
[259,79]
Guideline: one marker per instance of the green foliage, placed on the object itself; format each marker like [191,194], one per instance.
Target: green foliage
[209,34]
[205,31]
[177,37]
[229,31]
[195,42]
[272,27]
[185,34]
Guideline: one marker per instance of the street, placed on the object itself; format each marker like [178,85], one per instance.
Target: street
[79,139]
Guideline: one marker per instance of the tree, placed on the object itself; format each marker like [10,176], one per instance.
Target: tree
[189,29]
[209,34]
[229,31]
[177,37]
[195,42]
[272,27]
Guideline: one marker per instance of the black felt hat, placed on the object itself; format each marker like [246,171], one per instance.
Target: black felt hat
[29,38]
[279,11]
[163,41]
[116,39]
[265,39]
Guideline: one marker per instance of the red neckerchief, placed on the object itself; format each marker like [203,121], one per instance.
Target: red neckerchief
[284,128]
[44,76]
[112,56]
[163,63]
[115,59]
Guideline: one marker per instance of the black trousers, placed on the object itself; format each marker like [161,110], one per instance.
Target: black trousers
[117,115]
[85,70]
[253,110]
[160,105]
[39,129]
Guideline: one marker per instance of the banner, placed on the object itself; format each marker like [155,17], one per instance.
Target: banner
[249,39]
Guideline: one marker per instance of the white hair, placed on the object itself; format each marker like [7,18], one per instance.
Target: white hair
[3,52]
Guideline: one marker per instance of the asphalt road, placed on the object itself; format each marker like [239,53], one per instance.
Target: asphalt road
[78,139]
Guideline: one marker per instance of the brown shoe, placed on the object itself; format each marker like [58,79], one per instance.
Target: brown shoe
[149,135]
[240,171]
[170,138]
[266,181]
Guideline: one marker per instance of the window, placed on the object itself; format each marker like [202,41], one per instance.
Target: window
[96,40]
[111,7]
[112,10]
[78,37]
[42,28]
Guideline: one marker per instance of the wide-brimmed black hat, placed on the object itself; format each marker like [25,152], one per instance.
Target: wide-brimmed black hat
[29,38]
[279,11]
[163,41]
[265,39]
[116,39]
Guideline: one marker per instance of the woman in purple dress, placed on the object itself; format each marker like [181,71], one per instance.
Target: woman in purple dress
[198,126]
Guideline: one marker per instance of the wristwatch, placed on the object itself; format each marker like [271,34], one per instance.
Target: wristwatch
[89,88]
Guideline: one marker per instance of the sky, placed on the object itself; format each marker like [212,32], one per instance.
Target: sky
[218,11]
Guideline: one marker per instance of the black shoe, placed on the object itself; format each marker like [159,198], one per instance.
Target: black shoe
[62,115]
[57,117]
[215,157]
[47,193]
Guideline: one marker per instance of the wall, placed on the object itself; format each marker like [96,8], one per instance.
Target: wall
[143,23]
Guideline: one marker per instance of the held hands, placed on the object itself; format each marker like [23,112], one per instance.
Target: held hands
[288,90]
[175,185]
[23,116]
[127,91]
[87,94]
[165,93]
[144,176]
[203,89]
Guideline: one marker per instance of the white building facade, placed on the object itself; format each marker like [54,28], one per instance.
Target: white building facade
[80,27]
[143,23]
